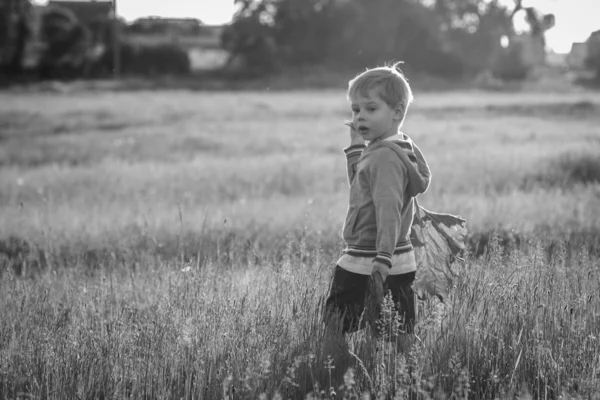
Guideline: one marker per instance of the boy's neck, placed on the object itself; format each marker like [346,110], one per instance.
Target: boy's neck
[393,132]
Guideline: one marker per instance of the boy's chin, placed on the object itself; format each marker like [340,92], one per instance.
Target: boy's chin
[371,138]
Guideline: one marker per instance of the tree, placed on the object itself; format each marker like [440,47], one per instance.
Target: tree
[525,51]
[66,43]
[538,23]
[473,29]
[340,32]
[15,29]
[249,39]
[303,30]
[269,33]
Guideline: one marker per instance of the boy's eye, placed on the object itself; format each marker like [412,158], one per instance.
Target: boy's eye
[371,109]
[355,110]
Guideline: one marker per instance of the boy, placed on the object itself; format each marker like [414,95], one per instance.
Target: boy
[384,178]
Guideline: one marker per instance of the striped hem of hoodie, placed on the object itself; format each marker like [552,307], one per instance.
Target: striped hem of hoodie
[401,264]
[382,257]
[356,148]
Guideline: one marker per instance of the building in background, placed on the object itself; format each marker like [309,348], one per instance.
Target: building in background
[158,25]
[577,56]
[581,51]
[594,44]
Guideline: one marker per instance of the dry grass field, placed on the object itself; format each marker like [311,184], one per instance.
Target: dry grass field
[175,244]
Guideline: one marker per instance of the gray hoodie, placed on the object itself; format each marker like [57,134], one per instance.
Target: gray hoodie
[384,178]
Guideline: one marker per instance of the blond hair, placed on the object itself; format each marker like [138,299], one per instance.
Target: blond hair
[389,80]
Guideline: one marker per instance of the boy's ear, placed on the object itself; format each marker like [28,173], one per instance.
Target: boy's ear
[399,111]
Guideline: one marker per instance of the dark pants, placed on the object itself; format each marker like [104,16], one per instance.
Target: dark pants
[346,300]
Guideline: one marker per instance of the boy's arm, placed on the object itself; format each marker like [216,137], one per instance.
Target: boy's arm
[387,182]
[353,152]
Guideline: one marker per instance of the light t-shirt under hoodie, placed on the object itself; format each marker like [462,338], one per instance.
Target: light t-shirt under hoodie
[384,178]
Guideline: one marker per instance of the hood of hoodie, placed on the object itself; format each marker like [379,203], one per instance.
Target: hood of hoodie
[419,174]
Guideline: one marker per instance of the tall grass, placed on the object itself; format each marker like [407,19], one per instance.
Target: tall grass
[183,249]
[512,325]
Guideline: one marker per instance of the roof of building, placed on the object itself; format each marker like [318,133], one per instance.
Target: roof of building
[163,19]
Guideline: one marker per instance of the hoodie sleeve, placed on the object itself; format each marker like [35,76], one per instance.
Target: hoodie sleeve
[388,177]
[353,153]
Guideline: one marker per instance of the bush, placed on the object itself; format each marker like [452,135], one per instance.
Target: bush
[145,60]
[510,65]
[162,59]
[441,63]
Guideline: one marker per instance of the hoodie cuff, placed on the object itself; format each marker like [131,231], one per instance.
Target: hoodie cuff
[355,148]
[384,258]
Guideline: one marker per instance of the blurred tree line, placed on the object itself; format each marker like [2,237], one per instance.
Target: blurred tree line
[53,43]
[442,37]
[449,38]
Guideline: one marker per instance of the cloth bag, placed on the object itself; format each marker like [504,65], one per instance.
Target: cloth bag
[439,241]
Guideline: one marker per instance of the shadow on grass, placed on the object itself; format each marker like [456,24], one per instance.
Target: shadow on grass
[132,248]
[565,172]
[249,247]
[562,110]
[553,243]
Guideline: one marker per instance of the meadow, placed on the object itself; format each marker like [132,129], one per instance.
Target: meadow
[178,244]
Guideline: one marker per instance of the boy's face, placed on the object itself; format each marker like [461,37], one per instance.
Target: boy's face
[373,118]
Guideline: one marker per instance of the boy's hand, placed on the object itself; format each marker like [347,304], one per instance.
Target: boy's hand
[376,288]
[355,137]
[381,269]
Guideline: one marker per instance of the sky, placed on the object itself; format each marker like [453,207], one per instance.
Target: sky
[575,19]
[208,11]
